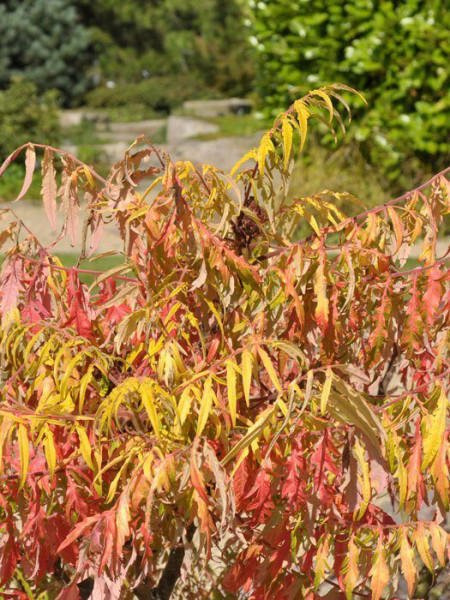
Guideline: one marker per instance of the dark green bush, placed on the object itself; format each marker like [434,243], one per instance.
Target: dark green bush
[44,42]
[157,94]
[396,53]
[25,116]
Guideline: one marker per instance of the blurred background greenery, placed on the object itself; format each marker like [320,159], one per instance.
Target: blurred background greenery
[131,60]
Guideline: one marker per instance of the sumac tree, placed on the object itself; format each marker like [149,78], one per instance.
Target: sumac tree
[231,412]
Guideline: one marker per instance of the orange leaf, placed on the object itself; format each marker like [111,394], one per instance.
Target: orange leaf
[379,572]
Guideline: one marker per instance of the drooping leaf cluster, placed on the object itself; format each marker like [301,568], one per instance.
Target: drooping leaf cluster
[272,410]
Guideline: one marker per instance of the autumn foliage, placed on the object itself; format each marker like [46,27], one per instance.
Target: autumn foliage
[231,412]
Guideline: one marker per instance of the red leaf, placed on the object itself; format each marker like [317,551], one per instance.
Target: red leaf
[108,523]
[78,530]
[260,497]
[324,463]
[11,285]
[9,554]
[293,486]
[241,483]
[69,593]
[30,165]
[49,188]
[80,312]
[197,479]
[433,295]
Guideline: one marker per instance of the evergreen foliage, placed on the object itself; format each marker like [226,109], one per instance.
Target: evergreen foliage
[44,42]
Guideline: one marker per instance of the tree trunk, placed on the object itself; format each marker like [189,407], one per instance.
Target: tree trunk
[170,574]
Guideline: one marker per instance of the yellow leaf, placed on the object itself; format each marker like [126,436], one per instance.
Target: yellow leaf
[184,404]
[115,481]
[321,565]
[439,538]
[423,547]
[148,401]
[247,367]
[303,115]
[5,432]
[265,147]
[252,434]
[205,407]
[409,567]
[24,448]
[398,227]
[85,446]
[402,474]
[351,569]
[123,517]
[350,406]
[287,141]
[325,97]
[379,572]
[85,381]
[326,391]
[270,369]
[320,289]
[282,405]
[216,314]
[433,437]
[232,392]
[251,154]
[363,478]
[50,452]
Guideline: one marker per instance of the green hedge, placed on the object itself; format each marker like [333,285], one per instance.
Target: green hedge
[395,53]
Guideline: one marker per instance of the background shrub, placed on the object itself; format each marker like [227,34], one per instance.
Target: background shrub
[24,116]
[158,94]
[395,53]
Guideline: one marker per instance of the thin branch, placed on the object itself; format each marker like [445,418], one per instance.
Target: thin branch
[68,269]
[371,211]
[417,390]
